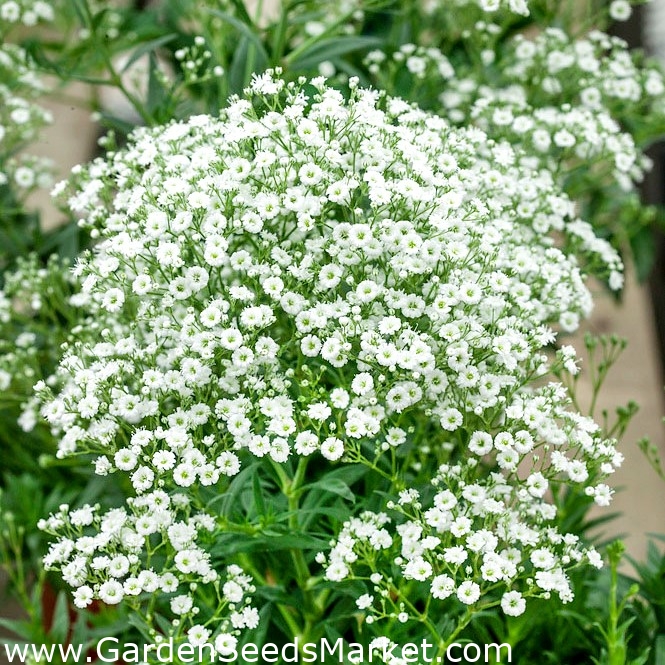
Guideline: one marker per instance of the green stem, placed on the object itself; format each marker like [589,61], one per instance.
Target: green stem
[115,79]
[302,569]
[461,625]
[284,610]
[307,43]
[291,489]
[613,620]
[279,42]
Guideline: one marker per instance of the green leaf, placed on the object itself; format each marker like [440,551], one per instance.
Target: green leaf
[242,12]
[65,241]
[659,655]
[162,623]
[23,629]
[246,31]
[272,539]
[349,473]
[250,55]
[230,499]
[258,495]
[644,252]
[274,594]
[329,49]
[333,485]
[157,95]
[300,541]
[82,11]
[60,626]
[337,512]
[147,47]
[641,659]
[133,619]
[244,63]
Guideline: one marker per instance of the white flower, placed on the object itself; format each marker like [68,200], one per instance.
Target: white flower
[455,555]
[332,448]
[620,10]
[513,604]
[481,443]
[225,644]
[543,558]
[603,495]
[418,569]
[451,419]
[118,566]
[198,635]
[125,459]
[181,604]
[336,571]
[339,398]
[111,592]
[442,587]
[113,300]
[468,592]
[319,411]
[362,383]
[306,443]
[355,277]
[364,601]
[83,596]
[232,591]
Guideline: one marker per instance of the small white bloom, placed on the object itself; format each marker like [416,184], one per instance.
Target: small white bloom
[332,448]
[225,644]
[111,592]
[620,10]
[468,592]
[513,604]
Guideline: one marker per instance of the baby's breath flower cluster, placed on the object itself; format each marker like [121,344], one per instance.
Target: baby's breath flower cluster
[565,102]
[21,119]
[313,277]
[585,107]
[195,62]
[519,7]
[24,12]
[561,99]
[481,532]
[323,17]
[101,556]
[33,295]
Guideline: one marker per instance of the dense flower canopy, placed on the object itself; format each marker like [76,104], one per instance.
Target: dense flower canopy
[307,275]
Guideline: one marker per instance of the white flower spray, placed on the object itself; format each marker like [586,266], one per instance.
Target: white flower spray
[307,277]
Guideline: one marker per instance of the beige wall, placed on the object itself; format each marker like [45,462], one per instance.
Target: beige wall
[70,140]
[636,376]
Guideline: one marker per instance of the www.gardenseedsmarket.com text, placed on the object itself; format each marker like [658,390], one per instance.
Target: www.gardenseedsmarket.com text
[111,650]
